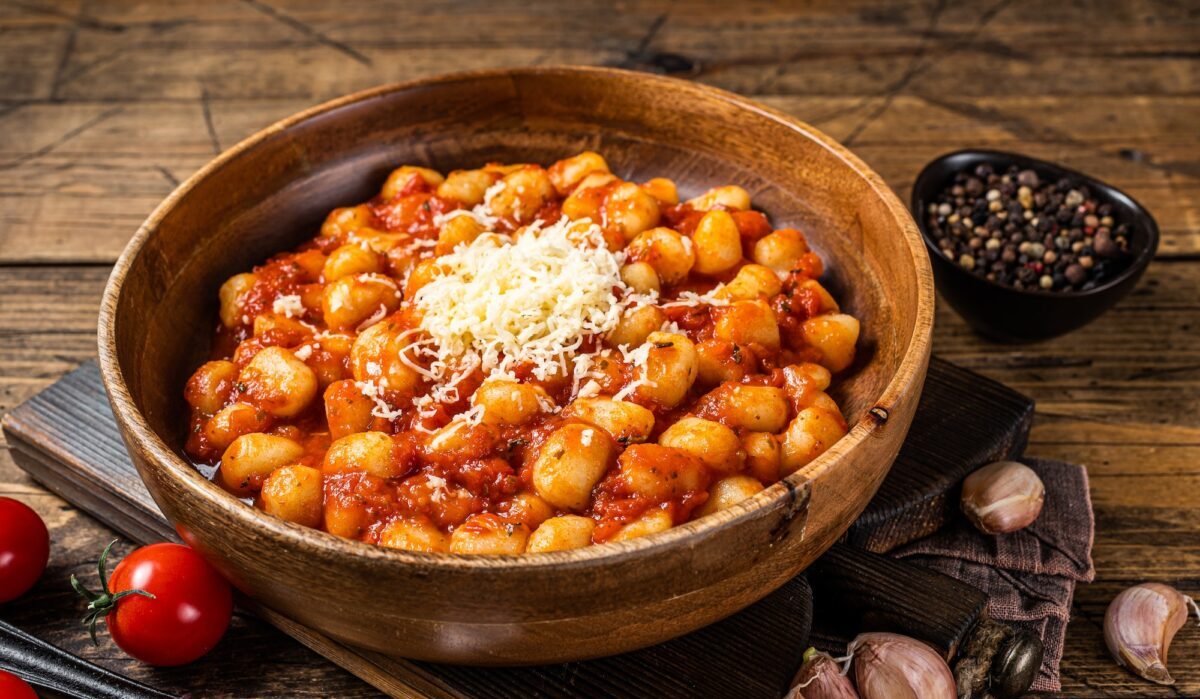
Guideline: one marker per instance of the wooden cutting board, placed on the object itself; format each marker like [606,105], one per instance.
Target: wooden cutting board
[65,438]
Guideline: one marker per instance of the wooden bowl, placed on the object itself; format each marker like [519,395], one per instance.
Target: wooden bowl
[271,191]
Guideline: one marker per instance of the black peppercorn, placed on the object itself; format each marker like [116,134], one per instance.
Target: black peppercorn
[1014,228]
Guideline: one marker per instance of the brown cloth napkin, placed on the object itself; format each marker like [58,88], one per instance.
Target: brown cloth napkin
[1029,575]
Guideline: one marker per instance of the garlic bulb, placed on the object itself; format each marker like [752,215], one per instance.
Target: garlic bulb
[821,678]
[1002,497]
[891,666]
[1139,625]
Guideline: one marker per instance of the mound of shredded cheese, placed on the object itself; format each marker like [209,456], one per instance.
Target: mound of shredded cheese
[530,300]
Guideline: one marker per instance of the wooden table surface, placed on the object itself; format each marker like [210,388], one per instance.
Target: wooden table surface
[106,106]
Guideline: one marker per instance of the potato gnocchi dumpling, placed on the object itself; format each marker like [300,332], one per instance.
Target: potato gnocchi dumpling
[519,359]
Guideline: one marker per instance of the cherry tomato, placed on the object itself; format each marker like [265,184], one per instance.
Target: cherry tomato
[24,548]
[165,605]
[13,687]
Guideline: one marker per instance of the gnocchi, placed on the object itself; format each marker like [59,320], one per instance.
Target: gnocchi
[513,359]
[562,533]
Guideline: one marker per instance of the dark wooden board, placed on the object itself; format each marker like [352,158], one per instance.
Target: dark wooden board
[963,421]
[750,654]
[860,591]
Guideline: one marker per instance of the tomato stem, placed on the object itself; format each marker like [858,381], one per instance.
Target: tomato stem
[99,605]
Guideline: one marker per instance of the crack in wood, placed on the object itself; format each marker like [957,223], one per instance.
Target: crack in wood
[307,30]
[642,58]
[156,29]
[1153,372]
[86,68]
[1024,361]
[206,109]
[1020,127]
[171,179]
[68,49]
[80,19]
[68,136]
[910,72]
[919,65]
[10,108]
[648,39]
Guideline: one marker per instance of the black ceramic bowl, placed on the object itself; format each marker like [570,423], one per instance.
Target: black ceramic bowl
[1012,315]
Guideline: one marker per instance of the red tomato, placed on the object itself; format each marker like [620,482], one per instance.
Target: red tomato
[13,687]
[165,605]
[24,548]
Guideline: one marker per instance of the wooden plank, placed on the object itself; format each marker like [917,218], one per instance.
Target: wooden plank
[890,82]
[846,575]
[76,180]
[95,473]
[954,432]
[29,60]
[759,42]
[80,177]
[1137,364]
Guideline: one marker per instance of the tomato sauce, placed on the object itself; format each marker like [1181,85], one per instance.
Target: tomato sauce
[477,478]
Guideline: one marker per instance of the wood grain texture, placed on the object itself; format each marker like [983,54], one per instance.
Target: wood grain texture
[846,575]
[750,654]
[955,432]
[1109,88]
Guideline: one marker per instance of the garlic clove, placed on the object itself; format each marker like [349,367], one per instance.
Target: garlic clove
[1139,625]
[821,678]
[1002,497]
[891,666]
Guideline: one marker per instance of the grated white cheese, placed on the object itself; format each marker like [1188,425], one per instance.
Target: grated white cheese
[631,387]
[289,305]
[379,314]
[691,298]
[546,405]
[381,278]
[532,300]
[439,488]
[528,302]
[671,326]
[376,242]
[582,368]
[381,410]
[303,352]
[420,245]
[638,357]
[482,213]
[471,416]
[479,213]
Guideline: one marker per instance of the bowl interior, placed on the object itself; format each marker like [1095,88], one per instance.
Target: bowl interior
[940,172]
[272,192]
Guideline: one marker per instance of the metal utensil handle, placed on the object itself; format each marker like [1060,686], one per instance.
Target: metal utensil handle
[40,663]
